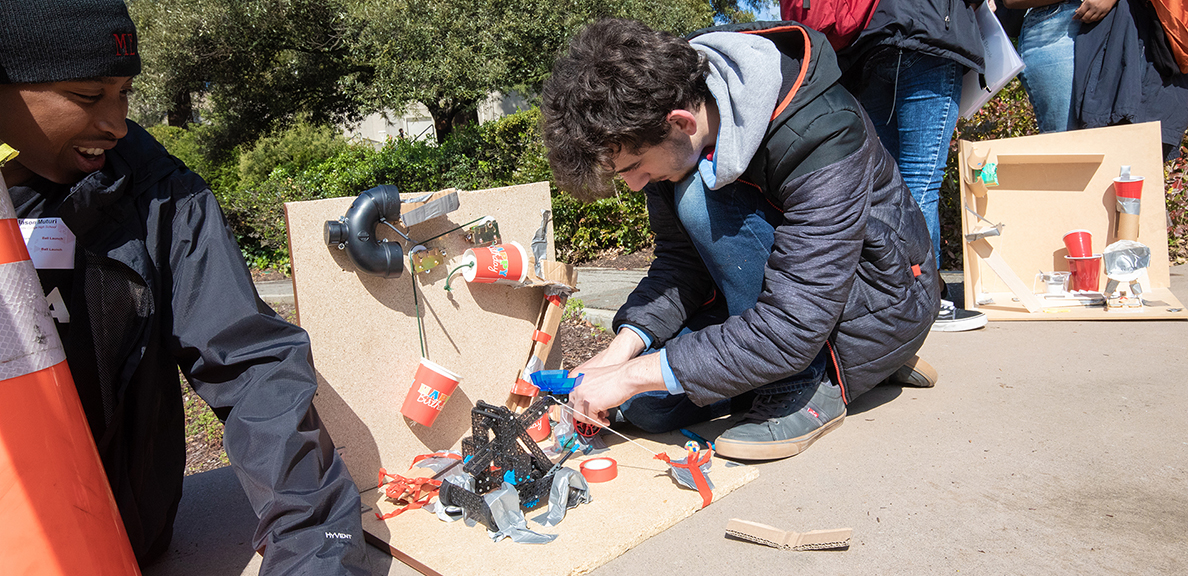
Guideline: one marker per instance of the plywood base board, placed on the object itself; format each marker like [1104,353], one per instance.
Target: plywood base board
[1161,305]
[640,503]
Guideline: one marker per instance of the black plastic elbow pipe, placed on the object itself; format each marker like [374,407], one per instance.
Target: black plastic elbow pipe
[355,233]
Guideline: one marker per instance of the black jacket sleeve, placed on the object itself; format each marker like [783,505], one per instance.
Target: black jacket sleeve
[255,371]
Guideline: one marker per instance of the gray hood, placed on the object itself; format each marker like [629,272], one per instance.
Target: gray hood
[744,80]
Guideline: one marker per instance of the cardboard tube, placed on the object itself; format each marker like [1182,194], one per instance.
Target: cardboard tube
[1128,226]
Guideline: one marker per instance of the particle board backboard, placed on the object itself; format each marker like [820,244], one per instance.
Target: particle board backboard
[638,504]
[364,329]
[1050,184]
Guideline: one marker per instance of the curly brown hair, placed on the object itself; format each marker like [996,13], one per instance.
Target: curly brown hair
[613,91]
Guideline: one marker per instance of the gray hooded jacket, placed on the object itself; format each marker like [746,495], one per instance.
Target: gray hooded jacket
[851,267]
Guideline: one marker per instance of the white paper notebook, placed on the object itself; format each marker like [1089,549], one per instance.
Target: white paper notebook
[1002,64]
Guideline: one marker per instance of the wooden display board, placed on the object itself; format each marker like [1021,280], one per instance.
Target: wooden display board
[366,348]
[364,328]
[1048,185]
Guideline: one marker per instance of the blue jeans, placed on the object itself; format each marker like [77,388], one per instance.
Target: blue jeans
[914,99]
[1046,47]
[733,229]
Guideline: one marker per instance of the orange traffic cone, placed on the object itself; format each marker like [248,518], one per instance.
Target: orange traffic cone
[57,514]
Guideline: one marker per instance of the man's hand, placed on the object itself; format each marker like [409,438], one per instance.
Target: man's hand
[604,387]
[1093,10]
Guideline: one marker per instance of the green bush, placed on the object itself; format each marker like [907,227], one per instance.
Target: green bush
[307,162]
[291,150]
[1177,206]
[585,230]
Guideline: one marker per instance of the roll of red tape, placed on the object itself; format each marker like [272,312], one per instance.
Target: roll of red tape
[600,469]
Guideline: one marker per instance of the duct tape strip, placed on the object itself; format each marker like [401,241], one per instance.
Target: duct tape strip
[600,470]
[542,337]
[1129,205]
[437,207]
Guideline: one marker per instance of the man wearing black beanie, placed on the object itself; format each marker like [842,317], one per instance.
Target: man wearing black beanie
[157,282]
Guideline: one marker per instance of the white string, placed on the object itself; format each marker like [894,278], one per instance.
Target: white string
[612,430]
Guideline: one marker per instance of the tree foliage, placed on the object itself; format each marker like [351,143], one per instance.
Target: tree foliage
[255,63]
[450,54]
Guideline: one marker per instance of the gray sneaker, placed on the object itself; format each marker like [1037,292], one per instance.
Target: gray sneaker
[783,425]
[916,372]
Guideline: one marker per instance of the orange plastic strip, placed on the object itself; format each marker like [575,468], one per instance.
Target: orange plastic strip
[12,242]
[808,55]
[541,337]
[555,300]
[524,388]
[693,465]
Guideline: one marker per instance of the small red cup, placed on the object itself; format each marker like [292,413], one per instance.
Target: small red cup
[540,429]
[504,263]
[1079,243]
[1085,273]
[1129,188]
[431,387]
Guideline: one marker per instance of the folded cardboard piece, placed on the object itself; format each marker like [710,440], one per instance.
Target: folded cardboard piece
[1043,187]
[776,538]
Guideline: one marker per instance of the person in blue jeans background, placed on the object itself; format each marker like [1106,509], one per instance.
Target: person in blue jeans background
[1046,43]
[906,69]
[1095,63]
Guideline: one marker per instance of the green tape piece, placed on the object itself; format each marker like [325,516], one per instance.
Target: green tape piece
[989,174]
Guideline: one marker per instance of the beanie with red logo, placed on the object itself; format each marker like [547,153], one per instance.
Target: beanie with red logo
[55,40]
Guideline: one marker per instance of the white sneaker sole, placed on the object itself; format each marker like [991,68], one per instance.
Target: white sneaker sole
[960,325]
[742,450]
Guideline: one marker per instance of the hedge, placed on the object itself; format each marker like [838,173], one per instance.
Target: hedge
[306,162]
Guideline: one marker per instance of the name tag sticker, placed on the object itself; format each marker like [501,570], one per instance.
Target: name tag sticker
[50,243]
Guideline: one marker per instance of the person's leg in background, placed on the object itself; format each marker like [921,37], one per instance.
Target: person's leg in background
[1046,47]
[913,100]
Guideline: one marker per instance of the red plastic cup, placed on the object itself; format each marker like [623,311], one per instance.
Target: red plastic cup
[1085,273]
[504,263]
[540,429]
[1130,188]
[431,387]
[1079,243]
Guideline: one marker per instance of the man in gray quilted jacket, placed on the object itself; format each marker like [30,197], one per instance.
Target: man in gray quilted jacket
[793,270]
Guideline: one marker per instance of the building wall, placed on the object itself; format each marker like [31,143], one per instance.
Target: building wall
[417,123]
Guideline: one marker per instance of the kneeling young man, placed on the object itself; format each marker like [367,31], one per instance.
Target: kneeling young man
[793,270]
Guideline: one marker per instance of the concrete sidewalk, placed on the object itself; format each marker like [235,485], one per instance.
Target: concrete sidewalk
[1046,448]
